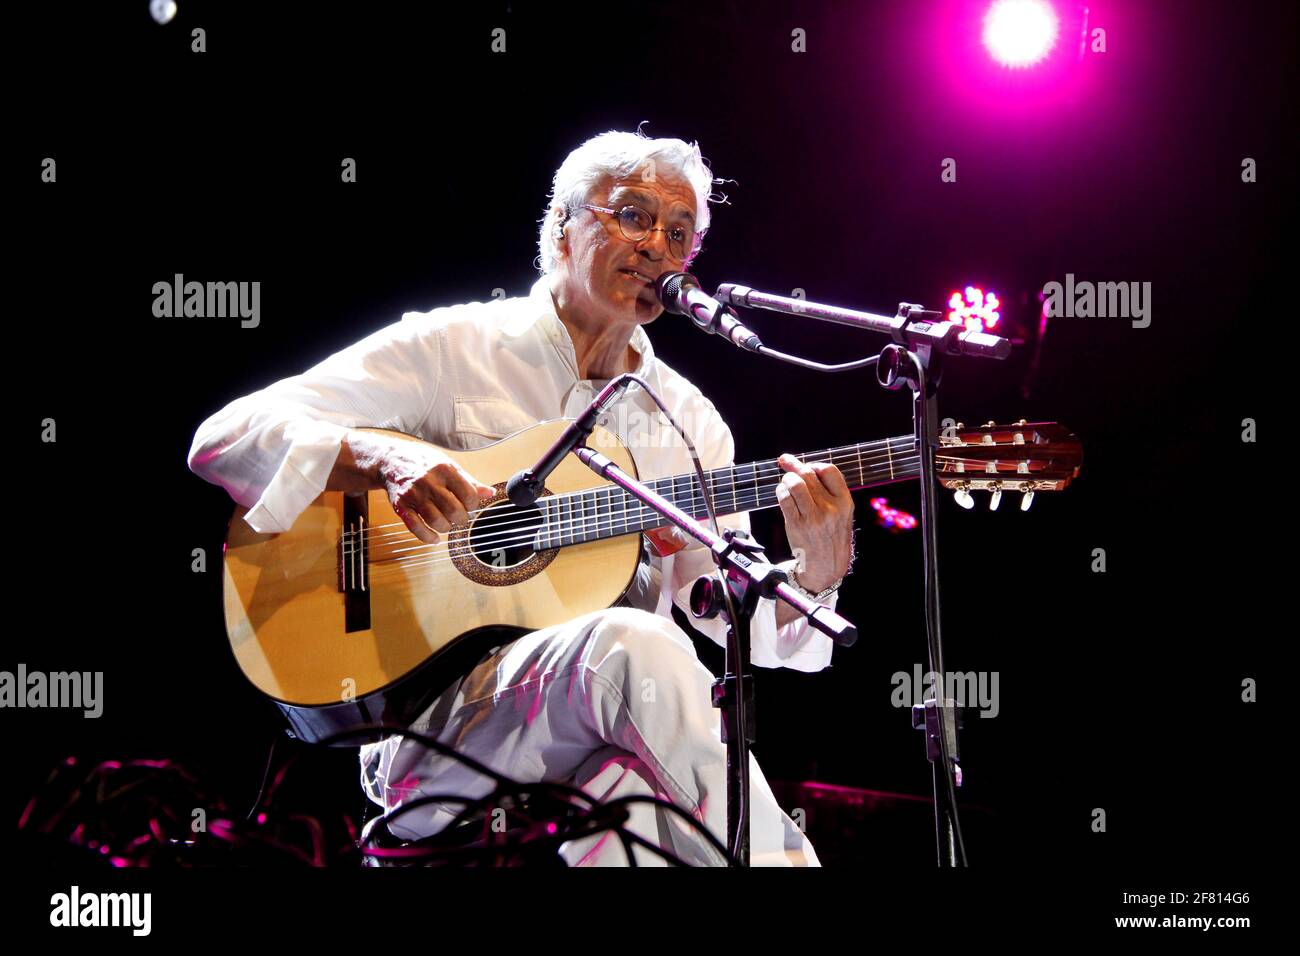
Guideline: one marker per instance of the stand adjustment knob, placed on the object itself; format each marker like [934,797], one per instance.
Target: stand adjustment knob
[706,597]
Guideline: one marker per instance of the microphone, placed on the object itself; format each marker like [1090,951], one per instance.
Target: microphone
[680,293]
[525,487]
[913,326]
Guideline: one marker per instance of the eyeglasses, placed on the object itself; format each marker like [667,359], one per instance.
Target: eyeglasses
[635,224]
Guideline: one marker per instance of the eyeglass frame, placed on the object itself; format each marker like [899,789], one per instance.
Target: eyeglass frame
[618,214]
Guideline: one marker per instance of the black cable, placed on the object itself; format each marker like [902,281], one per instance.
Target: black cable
[507,786]
[266,776]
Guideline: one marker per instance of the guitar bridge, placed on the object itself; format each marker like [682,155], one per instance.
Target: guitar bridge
[354,562]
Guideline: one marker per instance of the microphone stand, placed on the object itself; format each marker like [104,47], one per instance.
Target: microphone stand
[915,358]
[937,716]
[747,580]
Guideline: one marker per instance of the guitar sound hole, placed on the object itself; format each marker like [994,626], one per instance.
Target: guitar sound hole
[502,535]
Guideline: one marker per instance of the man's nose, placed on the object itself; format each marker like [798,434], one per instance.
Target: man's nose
[655,244]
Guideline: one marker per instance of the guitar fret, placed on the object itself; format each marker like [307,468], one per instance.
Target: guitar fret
[664,488]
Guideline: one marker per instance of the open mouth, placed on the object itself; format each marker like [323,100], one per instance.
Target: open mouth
[639,276]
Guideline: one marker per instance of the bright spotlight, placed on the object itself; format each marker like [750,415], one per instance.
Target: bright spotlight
[978,311]
[1020,33]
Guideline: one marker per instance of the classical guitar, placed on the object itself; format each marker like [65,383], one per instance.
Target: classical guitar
[348,618]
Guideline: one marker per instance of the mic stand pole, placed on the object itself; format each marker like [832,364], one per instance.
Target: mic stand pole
[937,716]
[748,580]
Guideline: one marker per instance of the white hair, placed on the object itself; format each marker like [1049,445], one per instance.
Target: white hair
[619,155]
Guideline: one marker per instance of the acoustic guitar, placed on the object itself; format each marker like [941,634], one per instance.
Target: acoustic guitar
[347,618]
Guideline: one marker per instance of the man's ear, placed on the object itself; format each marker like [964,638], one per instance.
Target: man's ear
[561,217]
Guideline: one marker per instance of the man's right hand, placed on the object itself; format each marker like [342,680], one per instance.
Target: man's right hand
[428,489]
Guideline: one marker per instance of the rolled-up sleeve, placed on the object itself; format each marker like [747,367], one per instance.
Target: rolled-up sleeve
[797,645]
[273,450]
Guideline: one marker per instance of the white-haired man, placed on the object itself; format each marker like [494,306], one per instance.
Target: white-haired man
[566,703]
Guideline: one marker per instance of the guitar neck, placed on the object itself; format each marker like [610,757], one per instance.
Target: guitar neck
[609,511]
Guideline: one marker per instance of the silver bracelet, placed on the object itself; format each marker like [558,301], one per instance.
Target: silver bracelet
[820,595]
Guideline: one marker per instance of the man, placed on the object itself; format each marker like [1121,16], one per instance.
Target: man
[615,702]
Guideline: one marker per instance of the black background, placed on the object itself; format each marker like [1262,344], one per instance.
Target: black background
[1119,690]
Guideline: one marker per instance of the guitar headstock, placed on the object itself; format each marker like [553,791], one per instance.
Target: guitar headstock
[1027,456]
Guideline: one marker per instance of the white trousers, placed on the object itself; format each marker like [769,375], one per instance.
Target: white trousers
[614,702]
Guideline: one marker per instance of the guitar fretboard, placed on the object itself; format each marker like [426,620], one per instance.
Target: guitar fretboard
[608,511]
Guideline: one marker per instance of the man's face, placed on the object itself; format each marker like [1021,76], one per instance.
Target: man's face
[614,275]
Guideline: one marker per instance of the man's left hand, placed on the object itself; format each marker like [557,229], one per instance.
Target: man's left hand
[818,509]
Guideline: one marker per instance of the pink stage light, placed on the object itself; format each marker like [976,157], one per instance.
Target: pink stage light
[1020,33]
[892,519]
[977,311]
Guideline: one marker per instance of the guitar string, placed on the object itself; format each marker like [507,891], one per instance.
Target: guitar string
[431,561]
[498,532]
[598,528]
[507,533]
[891,443]
[613,494]
[378,567]
[602,524]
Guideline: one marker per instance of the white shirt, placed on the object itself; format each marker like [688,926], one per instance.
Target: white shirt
[462,377]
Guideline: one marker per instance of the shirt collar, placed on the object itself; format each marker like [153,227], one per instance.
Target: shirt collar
[538,308]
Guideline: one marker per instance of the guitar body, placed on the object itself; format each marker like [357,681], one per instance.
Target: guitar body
[338,634]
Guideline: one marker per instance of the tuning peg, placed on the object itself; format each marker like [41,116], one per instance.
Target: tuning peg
[1027,500]
[963,497]
[996,498]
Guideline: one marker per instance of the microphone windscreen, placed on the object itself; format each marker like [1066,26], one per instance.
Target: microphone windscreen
[669,287]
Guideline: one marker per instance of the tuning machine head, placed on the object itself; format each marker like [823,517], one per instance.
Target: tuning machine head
[961,492]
